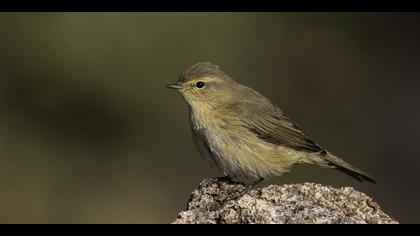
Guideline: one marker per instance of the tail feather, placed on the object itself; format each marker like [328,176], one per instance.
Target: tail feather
[335,162]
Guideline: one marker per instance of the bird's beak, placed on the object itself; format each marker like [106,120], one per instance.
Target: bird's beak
[174,86]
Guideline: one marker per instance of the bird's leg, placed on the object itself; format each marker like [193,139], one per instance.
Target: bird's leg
[226,178]
[246,190]
[222,179]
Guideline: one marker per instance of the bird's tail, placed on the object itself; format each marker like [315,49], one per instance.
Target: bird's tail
[329,160]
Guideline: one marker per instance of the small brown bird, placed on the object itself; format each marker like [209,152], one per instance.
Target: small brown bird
[245,135]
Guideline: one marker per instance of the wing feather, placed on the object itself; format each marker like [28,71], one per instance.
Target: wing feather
[269,124]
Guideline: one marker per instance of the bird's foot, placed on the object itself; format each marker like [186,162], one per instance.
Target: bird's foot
[237,195]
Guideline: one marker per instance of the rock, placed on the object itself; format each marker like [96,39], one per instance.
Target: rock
[306,203]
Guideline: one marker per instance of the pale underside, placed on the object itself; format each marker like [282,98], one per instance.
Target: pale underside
[229,145]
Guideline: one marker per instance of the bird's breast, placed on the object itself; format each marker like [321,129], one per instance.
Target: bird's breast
[224,140]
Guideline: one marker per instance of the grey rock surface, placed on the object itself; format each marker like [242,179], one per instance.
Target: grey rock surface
[306,203]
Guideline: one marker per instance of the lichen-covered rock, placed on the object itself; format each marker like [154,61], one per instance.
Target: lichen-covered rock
[291,203]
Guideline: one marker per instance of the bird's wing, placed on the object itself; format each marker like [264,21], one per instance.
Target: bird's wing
[269,124]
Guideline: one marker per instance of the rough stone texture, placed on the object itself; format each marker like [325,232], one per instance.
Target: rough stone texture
[306,203]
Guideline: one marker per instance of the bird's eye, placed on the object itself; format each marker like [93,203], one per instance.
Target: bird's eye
[199,84]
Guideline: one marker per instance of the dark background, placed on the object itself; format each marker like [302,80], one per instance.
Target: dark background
[89,134]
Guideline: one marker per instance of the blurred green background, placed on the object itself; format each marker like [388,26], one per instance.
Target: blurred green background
[90,134]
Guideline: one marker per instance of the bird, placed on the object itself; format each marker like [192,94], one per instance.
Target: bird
[245,135]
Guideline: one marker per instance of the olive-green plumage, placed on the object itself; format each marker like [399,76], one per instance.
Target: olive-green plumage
[242,133]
